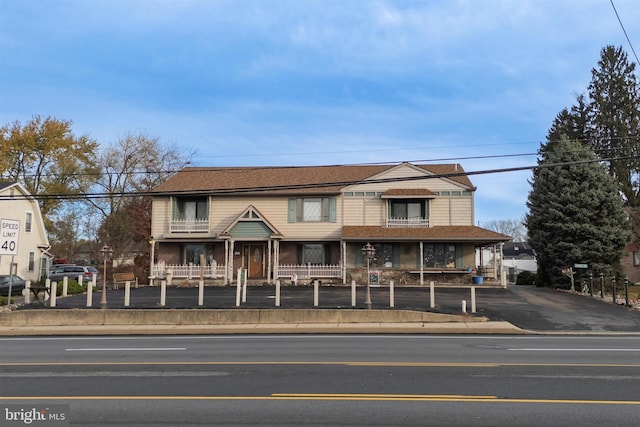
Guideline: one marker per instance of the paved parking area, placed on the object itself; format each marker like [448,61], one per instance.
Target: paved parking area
[536,309]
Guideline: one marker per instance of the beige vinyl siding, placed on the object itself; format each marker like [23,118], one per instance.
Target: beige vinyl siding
[161,216]
[461,211]
[274,209]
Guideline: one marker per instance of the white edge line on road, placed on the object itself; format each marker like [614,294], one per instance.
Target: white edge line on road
[129,349]
[574,349]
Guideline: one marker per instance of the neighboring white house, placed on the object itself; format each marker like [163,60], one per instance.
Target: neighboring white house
[32,257]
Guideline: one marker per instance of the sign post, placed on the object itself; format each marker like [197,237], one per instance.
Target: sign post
[9,233]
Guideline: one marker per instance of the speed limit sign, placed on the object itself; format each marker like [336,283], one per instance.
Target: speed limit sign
[9,232]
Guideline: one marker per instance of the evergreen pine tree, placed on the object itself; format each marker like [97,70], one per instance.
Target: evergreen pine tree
[575,212]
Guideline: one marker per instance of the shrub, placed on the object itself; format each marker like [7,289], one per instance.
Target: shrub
[526,278]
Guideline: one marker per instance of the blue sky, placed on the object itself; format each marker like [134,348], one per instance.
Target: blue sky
[302,82]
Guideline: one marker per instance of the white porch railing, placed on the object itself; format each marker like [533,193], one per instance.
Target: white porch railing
[188,270]
[310,270]
[407,222]
[198,225]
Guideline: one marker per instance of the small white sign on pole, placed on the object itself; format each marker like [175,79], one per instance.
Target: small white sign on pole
[9,233]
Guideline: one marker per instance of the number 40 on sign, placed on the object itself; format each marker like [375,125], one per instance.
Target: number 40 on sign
[9,232]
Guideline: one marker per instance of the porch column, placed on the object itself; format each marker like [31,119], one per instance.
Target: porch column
[230,260]
[276,259]
[421,262]
[343,257]
[269,263]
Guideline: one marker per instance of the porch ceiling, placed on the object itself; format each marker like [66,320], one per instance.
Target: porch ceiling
[457,233]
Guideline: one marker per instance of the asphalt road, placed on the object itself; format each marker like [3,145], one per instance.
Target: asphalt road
[530,308]
[325,380]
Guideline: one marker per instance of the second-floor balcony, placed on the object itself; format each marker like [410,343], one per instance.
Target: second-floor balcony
[196,225]
[407,222]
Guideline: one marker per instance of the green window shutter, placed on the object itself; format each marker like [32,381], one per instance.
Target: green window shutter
[299,210]
[292,210]
[333,217]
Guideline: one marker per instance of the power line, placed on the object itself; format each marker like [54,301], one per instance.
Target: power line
[625,32]
[290,187]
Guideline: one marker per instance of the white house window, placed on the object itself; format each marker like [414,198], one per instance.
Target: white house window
[636,258]
[312,209]
[27,222]
[31,265]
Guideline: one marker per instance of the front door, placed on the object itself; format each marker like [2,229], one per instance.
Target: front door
[255,261]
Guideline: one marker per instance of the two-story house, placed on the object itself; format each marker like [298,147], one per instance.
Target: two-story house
[313,221]
[32,257]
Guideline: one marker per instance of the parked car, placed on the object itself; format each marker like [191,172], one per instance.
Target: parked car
[17,285]
[72,272]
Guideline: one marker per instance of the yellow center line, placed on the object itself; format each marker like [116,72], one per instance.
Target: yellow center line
[329,363]
[335,397]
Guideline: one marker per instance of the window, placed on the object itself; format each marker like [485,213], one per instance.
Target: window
[27,223]
[407,209]
[31,265]
[313,253]
[312,209]
[442,255]
[191,208]
[636,259]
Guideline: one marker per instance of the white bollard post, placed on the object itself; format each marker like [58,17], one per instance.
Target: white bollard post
[238,288]
[90,291]
[53,296]
[473,299]
[277,292]
[392,296]
[27,293]
[201,293]
[65,285]
[315,293]
[244,287]
[353,293]
[432,296]
[47,284]
[127,293]
[464,307]
[163,293]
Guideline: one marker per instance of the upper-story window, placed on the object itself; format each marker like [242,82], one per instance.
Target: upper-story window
[28,221]
[312,209]
[408,213]
[190,214]
[190,208]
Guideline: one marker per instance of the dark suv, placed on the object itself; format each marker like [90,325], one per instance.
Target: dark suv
[72,272]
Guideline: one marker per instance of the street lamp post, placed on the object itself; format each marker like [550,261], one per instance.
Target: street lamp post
[368,252]
[106,252]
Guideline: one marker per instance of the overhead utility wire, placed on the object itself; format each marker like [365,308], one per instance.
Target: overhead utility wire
[290,187]
[625,32]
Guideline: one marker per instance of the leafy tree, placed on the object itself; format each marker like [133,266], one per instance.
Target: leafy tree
[614,118]
[48,159]
[575,212]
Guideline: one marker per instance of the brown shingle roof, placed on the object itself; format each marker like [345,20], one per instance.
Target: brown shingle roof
[461,233]
[313,179]
[393,192]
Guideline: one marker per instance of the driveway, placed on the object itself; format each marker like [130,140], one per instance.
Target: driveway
[545,309]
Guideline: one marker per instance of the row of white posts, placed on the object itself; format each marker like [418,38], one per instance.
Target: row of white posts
[241,293]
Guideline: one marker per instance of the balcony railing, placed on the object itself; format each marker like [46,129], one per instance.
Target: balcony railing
[407,222]
[198,225]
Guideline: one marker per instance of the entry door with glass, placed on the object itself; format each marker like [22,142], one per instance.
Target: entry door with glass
[255,260]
